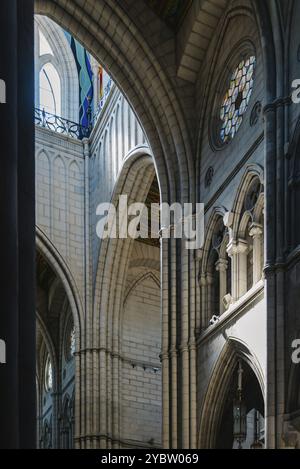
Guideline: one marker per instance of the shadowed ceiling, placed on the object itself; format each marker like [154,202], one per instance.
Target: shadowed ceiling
[153,197]
[171,11]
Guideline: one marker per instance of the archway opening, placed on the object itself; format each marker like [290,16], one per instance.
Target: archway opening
[140,337]
[250,400]
[86,132]
[55,344]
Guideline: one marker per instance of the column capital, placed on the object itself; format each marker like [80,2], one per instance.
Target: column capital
[221,265]
[209,278]
[202,280]
[256,230]
[239,246]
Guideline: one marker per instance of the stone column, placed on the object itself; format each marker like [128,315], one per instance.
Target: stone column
[256,232]
[17,235]
[57,418]
[238,250]
[26,224]
[165,357]
[221,267]
[210,309]
[203,312]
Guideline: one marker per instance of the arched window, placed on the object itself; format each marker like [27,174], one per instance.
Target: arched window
[236,99]
[67,77]
[216,285]
[249,241]
[67,424]
[72,341]
[246,248]
[213,280]
[46,437]
[70,336]
[50,90]
[48,375]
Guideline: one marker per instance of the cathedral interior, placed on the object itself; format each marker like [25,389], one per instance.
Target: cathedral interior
[141,343]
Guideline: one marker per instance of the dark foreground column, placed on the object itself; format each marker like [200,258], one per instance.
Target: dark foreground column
[17,310]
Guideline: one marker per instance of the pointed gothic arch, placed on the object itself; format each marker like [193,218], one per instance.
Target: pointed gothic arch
[212,407]
[123,53]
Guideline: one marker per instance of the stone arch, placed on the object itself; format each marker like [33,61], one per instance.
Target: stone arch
[62,271]
[252,171]
[202,19]
[134,180]
[66,422]
[211,410]
[146,263]
[138,162]
[234,10]
[65,298]
[217,213]
[131,62]
[140,348]
[43,152]
[45,348]
[259,209]
[215,269]
[74,166]
[139,280]
[66,324]
[64,62]
[50,347]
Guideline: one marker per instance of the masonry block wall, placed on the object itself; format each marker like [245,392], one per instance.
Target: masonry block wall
[117,133]
[72,178]
[61,180]
[173,79]
[141,348]
[229,164]
[60,197]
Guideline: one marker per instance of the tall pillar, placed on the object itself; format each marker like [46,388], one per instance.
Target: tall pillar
[210,303]
[17,234]
[238,250]
[203,313]
[221,267]
[256,232]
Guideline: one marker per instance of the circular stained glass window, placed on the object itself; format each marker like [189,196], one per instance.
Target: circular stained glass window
[48,375]
[236,99]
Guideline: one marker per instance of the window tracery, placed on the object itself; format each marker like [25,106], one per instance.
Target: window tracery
[236,99]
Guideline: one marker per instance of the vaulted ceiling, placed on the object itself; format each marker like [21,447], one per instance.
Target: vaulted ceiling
[194,23]
[171,11]
[195,36]
[153,197]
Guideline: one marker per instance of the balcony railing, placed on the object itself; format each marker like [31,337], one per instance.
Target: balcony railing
[60,125]
[66,127]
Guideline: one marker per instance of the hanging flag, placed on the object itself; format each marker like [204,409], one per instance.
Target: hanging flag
[101,81]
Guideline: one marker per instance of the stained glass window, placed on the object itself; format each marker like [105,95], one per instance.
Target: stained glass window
[72,342]
[70,339]
[236,99]
[85,75]
[48,375]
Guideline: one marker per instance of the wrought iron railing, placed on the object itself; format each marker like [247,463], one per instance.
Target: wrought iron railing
[66,127]
[60,125]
